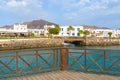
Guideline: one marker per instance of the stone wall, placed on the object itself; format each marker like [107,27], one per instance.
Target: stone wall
[102,42]
[30,43]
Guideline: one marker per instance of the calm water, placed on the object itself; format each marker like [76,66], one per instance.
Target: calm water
[93,55]
[95,47]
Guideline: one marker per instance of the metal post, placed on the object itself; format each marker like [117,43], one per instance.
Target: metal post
[63,58]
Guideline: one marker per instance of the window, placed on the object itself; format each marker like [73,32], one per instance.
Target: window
[36,31]
[78,34]
[61,29]
[78,29]
[73,34]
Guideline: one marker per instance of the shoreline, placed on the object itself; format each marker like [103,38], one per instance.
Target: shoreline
[13,44]
[29,43]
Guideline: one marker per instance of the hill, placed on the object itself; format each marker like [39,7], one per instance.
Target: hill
[35,24]
[93,27]
[38,24]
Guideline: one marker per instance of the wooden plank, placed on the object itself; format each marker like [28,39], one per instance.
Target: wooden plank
[63,58]
[45,61]
[67,75]
[7,64]
[27,63]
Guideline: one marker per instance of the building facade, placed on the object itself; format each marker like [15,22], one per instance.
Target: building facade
[15,30]
[37,32]
[104,32]
[22,29]
[65,32]
[46,27]
[99,32]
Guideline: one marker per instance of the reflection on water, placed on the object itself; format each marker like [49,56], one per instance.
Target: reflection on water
[94,47]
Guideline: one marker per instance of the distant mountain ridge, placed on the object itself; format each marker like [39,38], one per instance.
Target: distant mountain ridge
[35,24]
[39,24]
[93,27]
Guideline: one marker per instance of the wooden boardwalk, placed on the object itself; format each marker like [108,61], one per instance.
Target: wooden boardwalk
[67,75]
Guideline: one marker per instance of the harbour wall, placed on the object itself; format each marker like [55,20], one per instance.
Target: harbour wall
[101,42]
[30,43]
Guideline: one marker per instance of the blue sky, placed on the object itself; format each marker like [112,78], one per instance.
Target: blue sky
[104,13]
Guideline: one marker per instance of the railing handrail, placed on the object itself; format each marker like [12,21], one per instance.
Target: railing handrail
[93,49]
[24,50]
[52,48]
[63,56]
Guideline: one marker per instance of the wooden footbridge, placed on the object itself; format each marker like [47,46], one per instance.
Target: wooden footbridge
[60,64]
[67,75]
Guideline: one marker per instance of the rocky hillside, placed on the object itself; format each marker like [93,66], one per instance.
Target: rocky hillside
[38,24]
[93,27]
[35,24]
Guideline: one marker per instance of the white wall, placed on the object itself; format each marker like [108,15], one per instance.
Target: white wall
[64,31]
[46,29]
[115,33]
[37,32]
[17,28]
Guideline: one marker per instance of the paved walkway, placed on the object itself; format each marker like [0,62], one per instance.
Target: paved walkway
[67,75]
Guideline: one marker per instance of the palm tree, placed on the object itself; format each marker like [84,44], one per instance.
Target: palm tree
[110,34]
[80,32]
[57,26]
[70,28]
[86,32]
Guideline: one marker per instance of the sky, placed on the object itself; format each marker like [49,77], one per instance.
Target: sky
[103,13]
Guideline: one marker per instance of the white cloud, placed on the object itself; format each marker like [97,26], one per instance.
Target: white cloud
[83,2]
[7,4]
[80,10]
[14,3]
[18,6]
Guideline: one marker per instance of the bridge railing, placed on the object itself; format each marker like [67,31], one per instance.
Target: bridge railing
[91,60]
[22,62]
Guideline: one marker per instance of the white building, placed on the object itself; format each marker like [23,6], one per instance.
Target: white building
[20,28]
[37,32]
[99,32]
[103,32]
[15,29]
[64,31]
[46,29]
